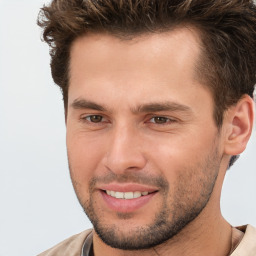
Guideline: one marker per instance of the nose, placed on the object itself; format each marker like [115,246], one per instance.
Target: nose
[125,150]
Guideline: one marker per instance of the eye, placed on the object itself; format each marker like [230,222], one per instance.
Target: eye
[93,118]
[160,120]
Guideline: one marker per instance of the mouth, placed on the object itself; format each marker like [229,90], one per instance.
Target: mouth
[127,195]
[127,198]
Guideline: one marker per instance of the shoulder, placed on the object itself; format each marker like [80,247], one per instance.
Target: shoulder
[249,232]
[69,247]
[247,246]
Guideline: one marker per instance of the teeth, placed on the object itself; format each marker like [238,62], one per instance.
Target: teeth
[119,195]
[126,195]
[136,194]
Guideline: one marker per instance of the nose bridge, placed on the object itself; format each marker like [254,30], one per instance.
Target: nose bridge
[125,151]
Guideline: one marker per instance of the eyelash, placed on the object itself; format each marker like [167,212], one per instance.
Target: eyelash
[163,120]
[89,119]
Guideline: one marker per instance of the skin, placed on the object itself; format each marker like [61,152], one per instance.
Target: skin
[114,136]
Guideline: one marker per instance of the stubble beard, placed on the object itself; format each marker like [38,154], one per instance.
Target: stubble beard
[175,212]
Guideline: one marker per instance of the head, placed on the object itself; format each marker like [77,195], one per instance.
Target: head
[105,56]
[226,30]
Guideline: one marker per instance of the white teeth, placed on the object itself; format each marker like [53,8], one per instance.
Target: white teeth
[126,195]
[119,195]
[136,194]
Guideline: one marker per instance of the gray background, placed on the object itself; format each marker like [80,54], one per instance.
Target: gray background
[38,206]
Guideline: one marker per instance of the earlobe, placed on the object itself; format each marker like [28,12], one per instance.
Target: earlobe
[240,120]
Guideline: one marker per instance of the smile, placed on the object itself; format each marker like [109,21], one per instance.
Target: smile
[126,195]
[127,201]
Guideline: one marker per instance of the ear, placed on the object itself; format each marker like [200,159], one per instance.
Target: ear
[239,120]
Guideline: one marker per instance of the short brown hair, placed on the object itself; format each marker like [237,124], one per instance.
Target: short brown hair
[227,30]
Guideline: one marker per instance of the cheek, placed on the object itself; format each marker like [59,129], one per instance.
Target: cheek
[84,156]
[175,157]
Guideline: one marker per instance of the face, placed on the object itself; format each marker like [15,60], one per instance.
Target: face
[143,148]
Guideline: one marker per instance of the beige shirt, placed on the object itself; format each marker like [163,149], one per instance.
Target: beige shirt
[247,246]
[73,246]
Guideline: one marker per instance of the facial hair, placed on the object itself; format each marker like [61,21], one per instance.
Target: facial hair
[181,204]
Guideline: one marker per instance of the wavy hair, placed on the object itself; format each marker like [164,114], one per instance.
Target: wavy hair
[227,29]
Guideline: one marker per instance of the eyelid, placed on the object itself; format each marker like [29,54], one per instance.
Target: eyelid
[168,119]
[85,118]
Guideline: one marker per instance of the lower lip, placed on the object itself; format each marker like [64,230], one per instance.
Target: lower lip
[126,205]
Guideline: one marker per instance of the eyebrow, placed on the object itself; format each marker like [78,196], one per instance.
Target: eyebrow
[162,106]
[85,104]
[143,108]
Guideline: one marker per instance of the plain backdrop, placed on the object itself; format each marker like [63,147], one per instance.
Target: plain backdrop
[38,206]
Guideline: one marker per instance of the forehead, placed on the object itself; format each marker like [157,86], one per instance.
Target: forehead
[188,35]
[157,49]
[146,65]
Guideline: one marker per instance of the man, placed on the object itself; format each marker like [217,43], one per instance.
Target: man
[158,103]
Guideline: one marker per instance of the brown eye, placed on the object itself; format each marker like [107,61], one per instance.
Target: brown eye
[94,118]
[160,120]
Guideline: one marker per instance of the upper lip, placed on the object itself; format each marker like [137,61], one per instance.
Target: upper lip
[128,187]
